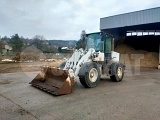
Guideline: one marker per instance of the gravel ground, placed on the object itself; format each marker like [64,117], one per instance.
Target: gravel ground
[136,97]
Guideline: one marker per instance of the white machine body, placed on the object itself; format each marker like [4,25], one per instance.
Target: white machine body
[80,57]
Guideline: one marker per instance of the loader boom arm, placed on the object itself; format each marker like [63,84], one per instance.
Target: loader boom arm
[78,58]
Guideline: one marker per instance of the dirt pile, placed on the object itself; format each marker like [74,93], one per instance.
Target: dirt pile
[129,56]
[55,64]
[26,66]
[26,57]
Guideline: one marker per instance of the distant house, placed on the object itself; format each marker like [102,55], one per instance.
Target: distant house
[67,50]
[45,42]
[5,49]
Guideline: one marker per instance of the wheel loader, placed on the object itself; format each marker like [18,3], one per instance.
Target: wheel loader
[86,64]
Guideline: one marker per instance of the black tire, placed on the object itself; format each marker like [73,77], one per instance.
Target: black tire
[62,65]
[117,72]
[89,75]
[82,81]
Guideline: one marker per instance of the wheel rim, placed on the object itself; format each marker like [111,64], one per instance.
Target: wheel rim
[119,72]
[93,75]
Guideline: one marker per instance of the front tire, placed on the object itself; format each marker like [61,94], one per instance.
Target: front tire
[89,75]
[117,72]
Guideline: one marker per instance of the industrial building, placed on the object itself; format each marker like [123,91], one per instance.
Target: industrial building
[140,29]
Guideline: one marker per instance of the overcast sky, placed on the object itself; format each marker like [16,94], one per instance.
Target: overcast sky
[61,19]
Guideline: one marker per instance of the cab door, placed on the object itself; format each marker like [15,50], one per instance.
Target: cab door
[107,47]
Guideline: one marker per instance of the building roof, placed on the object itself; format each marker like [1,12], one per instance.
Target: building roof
[144,17]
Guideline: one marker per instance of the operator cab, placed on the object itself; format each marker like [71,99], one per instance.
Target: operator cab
[99,41]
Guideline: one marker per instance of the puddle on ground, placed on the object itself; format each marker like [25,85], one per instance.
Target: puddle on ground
[22,111]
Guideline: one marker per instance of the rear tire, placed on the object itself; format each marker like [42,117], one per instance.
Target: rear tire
[117,72]
[89,75]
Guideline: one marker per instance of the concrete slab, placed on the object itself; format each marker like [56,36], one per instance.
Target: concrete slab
[136,97]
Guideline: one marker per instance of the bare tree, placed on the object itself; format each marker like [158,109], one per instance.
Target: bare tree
[83,35]
[38,41]
[82,42]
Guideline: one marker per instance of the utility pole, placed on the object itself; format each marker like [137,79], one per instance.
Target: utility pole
[159,56]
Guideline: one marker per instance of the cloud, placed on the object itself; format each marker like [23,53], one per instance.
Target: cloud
[63,19]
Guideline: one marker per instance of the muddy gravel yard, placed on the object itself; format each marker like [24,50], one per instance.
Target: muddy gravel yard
[136,97]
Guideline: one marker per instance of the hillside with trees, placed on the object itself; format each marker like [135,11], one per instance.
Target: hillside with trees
[47,46]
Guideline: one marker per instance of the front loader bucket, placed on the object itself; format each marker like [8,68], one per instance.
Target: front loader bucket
[54,81]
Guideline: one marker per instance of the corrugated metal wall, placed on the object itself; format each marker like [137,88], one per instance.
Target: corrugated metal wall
[130,19]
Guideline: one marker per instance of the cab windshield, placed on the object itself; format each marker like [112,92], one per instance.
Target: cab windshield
[94,41]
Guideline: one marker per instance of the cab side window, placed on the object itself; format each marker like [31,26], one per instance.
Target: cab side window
[108,45]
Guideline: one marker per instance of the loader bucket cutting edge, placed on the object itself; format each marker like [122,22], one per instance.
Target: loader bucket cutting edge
[54,81]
